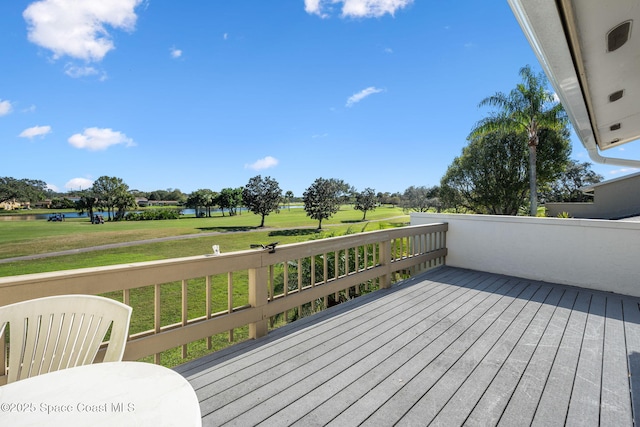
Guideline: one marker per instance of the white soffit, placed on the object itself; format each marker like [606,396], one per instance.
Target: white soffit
[570,41]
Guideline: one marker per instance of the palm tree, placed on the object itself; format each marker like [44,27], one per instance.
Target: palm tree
[288,196]
[529,107]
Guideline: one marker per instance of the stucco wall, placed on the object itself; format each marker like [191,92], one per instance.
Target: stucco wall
[596,254]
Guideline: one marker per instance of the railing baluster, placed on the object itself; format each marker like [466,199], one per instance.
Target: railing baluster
[156,317]
[285,286]
[207,307]
[185,313]
[230,300]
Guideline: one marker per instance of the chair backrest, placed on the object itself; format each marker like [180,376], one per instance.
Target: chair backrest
[53,333]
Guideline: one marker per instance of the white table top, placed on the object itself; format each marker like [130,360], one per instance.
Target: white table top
[102,394]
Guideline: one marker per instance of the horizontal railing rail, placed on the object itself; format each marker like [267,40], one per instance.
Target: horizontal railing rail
[177,302]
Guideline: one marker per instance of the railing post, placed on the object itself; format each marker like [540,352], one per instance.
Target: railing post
[258,298]
[385,263]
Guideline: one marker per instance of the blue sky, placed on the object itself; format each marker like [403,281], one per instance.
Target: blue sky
[207,94]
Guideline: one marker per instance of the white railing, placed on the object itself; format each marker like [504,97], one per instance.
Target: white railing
[185,300]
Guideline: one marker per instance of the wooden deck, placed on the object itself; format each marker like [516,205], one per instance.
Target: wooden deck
[450,347]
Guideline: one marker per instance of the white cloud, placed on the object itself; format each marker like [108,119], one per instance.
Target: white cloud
[35,131]
[356,8]
[5,107]
[53,188]
[74,71]
[314,7]
[266,163]
[95,139]
[622,170]
[357,97]
[78,28]
[78,184]
[225,36]
[175,53]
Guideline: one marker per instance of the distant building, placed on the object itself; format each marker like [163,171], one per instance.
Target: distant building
[613,199]
[11,205]
[141,201]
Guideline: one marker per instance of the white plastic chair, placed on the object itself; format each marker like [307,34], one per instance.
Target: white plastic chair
[53,333]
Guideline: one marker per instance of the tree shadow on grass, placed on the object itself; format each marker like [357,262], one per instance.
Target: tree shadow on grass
[397,224]
[352,221]
[227,229]
[295,232]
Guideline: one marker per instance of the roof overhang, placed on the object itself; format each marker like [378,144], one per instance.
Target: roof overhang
[589,66]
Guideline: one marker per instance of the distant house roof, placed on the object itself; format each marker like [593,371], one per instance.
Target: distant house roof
[589,189]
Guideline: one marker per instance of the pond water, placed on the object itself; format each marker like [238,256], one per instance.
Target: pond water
[46,216]
[28,217]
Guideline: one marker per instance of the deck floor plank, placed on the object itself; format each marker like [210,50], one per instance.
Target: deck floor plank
[464,399]
[524,401]
[554,402]
[496,397]
[616,399]
[584,408]
[448,347]
[631,316]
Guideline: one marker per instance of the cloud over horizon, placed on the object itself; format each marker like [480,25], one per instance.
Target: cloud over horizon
[78,183]
[355,8]
[265,163]
[357,97]
[35,131]
[78,29]
[97,139]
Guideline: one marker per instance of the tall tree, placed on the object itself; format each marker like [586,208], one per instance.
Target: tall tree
[109,190]
[262,196]
[231,199]
[202,201]
[529,108]
[24,190]
[124,201]
[322,199]
[87,202]
[287,197]
[366,201]
[421,199]
[491,175]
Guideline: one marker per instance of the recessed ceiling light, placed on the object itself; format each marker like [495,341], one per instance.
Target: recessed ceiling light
[618,36]
[614,127]
[616,95]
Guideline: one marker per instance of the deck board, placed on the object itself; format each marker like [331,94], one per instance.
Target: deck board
[448,347]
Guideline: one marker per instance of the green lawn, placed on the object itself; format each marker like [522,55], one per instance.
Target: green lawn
[18,238]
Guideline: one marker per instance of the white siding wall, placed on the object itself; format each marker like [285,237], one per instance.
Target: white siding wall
[596,254]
